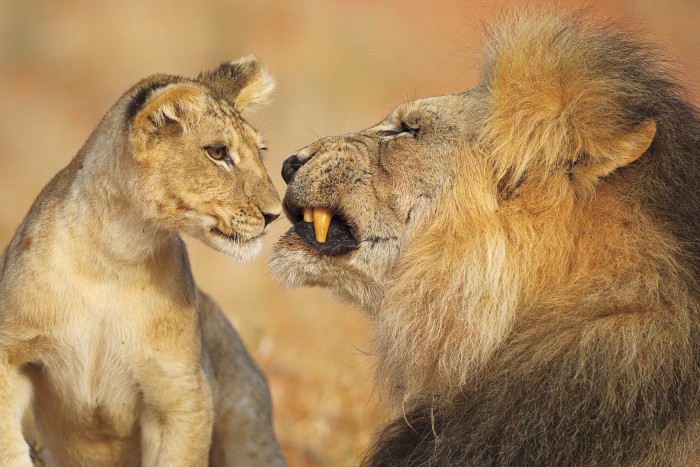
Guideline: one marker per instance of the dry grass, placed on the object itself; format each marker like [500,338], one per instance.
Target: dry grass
[341,67]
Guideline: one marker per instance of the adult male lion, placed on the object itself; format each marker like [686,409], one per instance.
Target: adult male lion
[529,250]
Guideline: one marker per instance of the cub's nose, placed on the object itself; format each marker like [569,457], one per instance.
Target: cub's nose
[269,217]
[290,166]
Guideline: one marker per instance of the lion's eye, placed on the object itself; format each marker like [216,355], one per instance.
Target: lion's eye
[403,129]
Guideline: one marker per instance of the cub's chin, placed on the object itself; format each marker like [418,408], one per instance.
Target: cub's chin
[242,251]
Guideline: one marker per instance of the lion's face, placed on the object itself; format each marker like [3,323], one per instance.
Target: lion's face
[199,167]
[381,185]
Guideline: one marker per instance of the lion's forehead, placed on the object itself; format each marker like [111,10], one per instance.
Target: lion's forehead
[464,112]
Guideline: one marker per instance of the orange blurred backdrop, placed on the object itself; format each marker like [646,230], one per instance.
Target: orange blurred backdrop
[341,67]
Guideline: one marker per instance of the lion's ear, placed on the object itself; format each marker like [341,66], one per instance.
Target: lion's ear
[244,82]
[626,149]
[162,105]
[636,143]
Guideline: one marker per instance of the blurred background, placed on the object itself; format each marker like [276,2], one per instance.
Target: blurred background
[341,66]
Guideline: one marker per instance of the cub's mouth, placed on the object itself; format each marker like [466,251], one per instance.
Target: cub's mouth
[327,231]
[233,237]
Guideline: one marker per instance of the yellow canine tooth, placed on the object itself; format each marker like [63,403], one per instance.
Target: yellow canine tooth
[322,220]
[308,214]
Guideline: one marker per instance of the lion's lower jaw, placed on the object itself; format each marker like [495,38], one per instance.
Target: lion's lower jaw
[292,268]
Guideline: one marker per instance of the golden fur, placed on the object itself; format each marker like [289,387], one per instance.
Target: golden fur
[529,251]
[101,325]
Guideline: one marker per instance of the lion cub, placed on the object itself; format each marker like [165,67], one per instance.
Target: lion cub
[101,324]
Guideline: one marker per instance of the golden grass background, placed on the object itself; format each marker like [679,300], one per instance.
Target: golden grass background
[341,67]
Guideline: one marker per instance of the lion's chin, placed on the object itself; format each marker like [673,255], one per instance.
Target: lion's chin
[296,261]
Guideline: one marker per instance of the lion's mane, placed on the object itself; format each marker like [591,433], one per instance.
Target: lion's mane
[525,331]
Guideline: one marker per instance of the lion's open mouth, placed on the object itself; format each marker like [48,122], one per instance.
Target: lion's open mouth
[323,229]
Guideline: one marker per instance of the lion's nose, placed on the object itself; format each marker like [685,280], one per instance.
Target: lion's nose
[290,166]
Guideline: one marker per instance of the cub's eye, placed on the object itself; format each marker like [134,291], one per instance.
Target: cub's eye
[217,153]
[220,156]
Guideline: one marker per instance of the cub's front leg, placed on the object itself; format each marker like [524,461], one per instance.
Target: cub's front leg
[176,417]
[15,394]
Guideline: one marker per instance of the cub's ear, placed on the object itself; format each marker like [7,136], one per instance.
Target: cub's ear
[159,105]
[243,83]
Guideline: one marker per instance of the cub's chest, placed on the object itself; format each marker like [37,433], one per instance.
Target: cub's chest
[91,371]
[89,384]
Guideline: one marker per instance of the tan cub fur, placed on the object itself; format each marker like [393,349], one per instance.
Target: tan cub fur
[101,325]
[530,252]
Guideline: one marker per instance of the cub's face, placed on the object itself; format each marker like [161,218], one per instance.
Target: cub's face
[200,170]
[381,187]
